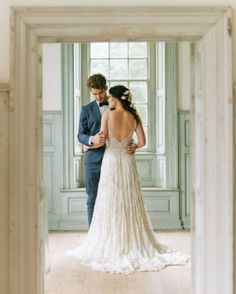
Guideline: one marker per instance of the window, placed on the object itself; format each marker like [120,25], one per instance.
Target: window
[124,63]
[149,70]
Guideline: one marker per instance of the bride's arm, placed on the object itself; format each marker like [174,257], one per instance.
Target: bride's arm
[141,135]
[103,131]
[104,122]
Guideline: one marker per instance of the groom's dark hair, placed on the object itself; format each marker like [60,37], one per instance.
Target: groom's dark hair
[97,81]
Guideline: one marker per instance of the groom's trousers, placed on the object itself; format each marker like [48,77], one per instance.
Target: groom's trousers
[92,176]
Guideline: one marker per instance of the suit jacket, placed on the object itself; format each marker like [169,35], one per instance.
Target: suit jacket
[89,125]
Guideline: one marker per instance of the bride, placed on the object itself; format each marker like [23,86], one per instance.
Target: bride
[121,238]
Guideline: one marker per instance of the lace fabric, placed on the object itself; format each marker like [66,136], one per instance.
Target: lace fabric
[121,238]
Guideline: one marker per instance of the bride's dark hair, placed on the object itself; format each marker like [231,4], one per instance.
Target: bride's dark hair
[123,94]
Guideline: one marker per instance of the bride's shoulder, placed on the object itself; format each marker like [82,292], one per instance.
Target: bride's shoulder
[105,115]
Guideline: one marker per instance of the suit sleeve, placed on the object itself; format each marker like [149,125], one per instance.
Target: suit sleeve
[83,134]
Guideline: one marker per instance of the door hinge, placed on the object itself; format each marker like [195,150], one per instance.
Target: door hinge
[229,27]
[40,59]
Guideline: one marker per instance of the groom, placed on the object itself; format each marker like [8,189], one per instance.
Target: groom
[88,135]
[89,126]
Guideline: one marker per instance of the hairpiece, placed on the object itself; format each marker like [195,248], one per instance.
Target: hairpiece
[127,96]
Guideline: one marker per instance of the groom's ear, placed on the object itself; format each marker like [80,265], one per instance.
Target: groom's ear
[106,87]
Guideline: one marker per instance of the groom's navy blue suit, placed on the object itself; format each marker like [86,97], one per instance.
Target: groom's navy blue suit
[89,125]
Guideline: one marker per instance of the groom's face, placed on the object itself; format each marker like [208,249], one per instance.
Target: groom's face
[99,94]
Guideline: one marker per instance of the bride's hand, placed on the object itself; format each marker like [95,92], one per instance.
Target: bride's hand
[85,148]
[98,139]
[131,148]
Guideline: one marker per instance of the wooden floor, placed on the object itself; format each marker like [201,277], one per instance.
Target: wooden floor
[67,276]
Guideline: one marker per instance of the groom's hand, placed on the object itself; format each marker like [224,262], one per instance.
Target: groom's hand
[98,139]
[131,148]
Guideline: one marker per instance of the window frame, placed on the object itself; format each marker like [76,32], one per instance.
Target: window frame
[151,87]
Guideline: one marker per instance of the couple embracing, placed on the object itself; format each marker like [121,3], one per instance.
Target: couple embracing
[120,237]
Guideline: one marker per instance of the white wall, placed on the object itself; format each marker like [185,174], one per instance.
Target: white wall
[51,69]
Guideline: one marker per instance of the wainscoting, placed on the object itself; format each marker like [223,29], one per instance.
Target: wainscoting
[52,167]
[184,168]
[162,205]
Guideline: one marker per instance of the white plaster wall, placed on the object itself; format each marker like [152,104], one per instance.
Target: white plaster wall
[51,69]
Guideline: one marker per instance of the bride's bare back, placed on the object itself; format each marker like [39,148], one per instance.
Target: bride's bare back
[121,124]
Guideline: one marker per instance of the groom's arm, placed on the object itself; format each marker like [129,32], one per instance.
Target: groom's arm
[83,133]
[100,138]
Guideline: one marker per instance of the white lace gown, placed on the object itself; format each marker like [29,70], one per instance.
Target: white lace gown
[121,238]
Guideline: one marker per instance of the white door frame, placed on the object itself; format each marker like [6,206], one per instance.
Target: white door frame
[211,118]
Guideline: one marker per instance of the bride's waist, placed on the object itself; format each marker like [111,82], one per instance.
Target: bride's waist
[116,150]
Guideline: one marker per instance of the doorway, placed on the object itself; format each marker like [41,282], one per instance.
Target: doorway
[211,123]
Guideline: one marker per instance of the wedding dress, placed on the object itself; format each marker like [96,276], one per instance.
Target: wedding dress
[121,238]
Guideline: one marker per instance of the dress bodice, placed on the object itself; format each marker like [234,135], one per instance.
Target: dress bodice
[116,145]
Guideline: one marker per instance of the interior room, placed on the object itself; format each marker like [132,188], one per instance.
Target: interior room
[162,94]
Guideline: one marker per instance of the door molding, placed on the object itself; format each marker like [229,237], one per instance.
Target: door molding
[211,138]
